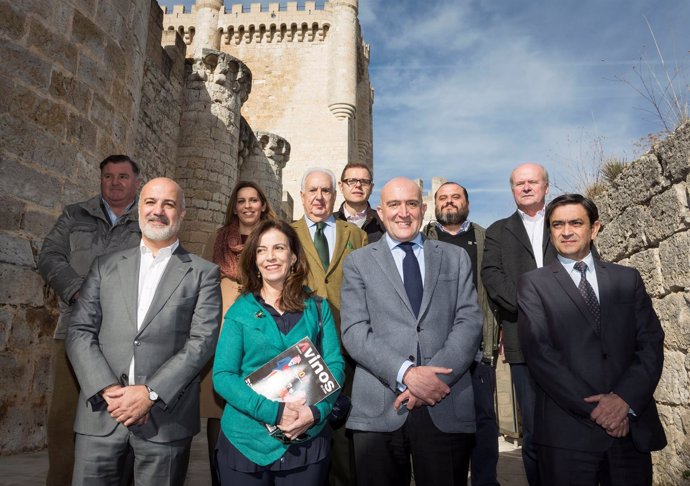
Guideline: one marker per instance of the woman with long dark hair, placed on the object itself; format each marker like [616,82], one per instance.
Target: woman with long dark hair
[247,207]
[274,312]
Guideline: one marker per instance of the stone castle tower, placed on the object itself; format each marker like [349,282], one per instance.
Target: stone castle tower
[84,80]
[310,75]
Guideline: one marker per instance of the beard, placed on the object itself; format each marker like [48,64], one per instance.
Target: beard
[458,216]
[160,234]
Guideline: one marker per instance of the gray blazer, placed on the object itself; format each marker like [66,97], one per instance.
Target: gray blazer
[176,339]
[380,331]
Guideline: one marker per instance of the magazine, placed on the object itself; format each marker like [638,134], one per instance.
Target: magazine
[298,373]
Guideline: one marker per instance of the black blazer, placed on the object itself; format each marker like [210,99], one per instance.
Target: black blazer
[569,360]
[507,255]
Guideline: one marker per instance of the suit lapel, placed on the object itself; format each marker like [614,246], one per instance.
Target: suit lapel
[128,271]
[384,259]
[305,238]
[605,285]
[515,226]
[178,266]
[342,236]
[568,285]
[432,269]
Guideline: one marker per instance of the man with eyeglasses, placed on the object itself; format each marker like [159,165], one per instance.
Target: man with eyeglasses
[356,184]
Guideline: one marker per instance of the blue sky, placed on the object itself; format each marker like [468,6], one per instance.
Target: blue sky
[467,90]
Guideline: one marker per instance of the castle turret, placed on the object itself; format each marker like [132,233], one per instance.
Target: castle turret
[206,35]
[342,81]
[263,156]
[217,85]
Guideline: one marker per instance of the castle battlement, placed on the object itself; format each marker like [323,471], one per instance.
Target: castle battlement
[290,22]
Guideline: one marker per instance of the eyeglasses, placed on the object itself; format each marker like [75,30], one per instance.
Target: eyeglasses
[354,182]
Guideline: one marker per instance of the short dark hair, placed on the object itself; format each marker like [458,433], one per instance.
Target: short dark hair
[567,199]
[294,293]
[356,165]
[116,159]
[467,198]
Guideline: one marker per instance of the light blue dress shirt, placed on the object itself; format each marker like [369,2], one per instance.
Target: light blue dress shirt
[591,274]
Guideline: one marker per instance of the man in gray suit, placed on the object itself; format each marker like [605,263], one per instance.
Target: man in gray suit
[413,325]
[145,324]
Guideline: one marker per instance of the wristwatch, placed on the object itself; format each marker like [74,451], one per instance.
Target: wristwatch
[153,396]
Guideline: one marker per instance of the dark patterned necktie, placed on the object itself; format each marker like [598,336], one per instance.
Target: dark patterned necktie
[588,294]
[321,244]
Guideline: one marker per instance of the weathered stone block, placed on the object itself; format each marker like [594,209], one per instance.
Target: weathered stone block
[624,235]
[12,22]
[674,153]
[52,45]
[674,261]
[29,67]
[669,214]
[94,74]
[639,181]
[25,285]
[42,321]
[674,314]
[101,112]
[81,130]
[15,250]
[27,184]
[673,386]
[648,264]
[71,90]
[38,223]
[11,213]
[88,34]
[7,314]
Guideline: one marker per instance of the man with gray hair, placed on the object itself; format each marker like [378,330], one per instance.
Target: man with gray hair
[326,243]
[145,324]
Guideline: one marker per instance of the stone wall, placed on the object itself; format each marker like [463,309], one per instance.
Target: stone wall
[80,80]
[646,219]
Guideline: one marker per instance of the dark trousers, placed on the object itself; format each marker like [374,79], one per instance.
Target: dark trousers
[61,413]
[524,391]
[342,466]
[438,458]
[620,465]
[311,475]
[485,451]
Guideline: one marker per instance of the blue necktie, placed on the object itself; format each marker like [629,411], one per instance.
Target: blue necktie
[412,277]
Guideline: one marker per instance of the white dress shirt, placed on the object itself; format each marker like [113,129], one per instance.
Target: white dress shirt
[591,273]
[534,225]
[150,272]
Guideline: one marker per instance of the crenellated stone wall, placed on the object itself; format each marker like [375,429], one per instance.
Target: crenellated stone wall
[646,217]
[310,68]
[263,157]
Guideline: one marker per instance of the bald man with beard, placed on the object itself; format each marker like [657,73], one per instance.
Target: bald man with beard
[145,324]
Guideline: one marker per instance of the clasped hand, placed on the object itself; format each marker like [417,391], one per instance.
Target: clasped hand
[611,413]
[424,387]
[129,405]
[296,419]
